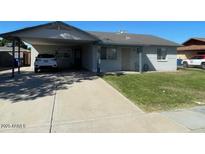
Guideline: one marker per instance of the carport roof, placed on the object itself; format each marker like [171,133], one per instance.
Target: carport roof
[54,31]
[9,49]
[60,31]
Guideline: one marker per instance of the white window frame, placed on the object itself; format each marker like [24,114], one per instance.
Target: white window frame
[109,55]
[162,50]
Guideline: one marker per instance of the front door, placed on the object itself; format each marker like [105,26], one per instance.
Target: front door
[125,60]
[77,58]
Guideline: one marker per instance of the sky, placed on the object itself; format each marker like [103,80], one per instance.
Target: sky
[173,30]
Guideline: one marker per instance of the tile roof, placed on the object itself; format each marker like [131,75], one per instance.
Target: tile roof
[200,39]
[191,47]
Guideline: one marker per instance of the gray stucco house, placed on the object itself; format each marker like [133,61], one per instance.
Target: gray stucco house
[98,51]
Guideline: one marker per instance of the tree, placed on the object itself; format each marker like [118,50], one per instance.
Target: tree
[3,42]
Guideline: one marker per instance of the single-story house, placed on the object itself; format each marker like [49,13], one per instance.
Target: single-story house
[193,46]
[98,51]
[6,59]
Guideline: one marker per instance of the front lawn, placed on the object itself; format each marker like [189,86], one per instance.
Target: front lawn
[162,91]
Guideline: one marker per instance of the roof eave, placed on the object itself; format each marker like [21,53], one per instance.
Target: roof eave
[198,39]
[124,44]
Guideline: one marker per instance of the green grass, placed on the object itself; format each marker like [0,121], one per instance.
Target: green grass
[162,91]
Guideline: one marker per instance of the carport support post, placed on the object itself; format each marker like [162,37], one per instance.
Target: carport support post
[140,60]
[13,57]
[19,58]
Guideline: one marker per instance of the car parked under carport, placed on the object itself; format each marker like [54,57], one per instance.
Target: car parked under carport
[72,47]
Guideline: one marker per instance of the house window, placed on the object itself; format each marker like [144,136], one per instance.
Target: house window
[161,54]
[111,53]
[108,53]
[103,53]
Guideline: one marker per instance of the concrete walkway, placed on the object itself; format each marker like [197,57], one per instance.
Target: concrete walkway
[193,118]
[72,102]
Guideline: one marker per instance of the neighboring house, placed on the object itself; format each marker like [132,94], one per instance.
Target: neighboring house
[193,46]
[99,51]
[6,59]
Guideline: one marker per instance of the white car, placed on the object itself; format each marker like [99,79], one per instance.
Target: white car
[45,61]
[195,61]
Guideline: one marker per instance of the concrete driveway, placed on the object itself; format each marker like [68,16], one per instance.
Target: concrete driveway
[72,102]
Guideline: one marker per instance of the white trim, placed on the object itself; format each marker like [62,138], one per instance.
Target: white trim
[162,60]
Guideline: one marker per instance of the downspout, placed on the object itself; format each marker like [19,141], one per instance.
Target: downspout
[98,60]
[140,59]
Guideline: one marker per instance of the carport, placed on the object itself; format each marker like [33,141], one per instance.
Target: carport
[72,46]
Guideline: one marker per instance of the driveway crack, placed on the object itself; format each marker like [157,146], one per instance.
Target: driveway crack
[53,108]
